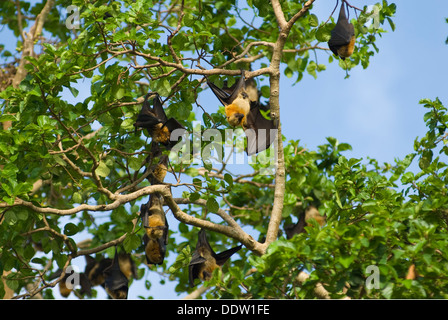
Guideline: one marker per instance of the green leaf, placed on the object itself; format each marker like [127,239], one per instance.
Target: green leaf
[131,242]
[314,21]
[102,170]
[43,120]
[212,205]
[229,179]
[70,229]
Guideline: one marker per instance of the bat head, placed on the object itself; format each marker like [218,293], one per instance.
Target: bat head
[237,111]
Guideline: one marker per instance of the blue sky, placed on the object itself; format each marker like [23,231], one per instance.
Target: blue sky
[376,110]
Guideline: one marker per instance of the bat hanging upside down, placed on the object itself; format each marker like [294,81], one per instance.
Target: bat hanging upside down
[115,281]
[342,41]
[243,108]
[204,260]
[156,122]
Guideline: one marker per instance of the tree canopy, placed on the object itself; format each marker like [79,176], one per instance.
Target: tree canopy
[75,169]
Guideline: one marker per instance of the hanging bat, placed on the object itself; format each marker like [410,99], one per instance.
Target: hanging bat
[155,121]
[157,165]
[310,213]
[242,108]
[204,260]
[155,223]
[342,41]
[115,282]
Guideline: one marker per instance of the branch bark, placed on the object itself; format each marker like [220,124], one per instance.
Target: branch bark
[280,183]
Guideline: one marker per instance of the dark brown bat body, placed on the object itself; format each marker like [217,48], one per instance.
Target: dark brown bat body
[204,260]
[156,122]
[310,213]
[115,282]
[156,230]
[342,41]
[242,108]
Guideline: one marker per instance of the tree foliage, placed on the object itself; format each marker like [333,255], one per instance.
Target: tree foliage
[73,165]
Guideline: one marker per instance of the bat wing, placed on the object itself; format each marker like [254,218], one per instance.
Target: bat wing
[147,118]
[194,267]
[172,124]
[258,131]
[297,228]
[165,233]
[158,108]
[222,257]
[144,211]
[86,286]
[114,278]
[203,242]
[221,94]
[225,97]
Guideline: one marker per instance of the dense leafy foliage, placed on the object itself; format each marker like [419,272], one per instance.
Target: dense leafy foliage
[70,157]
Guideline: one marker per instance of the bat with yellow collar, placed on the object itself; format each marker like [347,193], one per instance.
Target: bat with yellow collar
[342,41]
[156,122]
[204,260]
[155,223]
[243,108]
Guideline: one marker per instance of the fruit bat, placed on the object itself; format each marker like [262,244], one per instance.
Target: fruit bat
[115,282]
[243,108]
[156,122]
[155,223]
[310,213]
[342,41]
[157,164]
[204,260]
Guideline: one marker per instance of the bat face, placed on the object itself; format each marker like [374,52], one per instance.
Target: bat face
[116,283]
[237,111]
[235,100]
[204,260]
[342,41]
